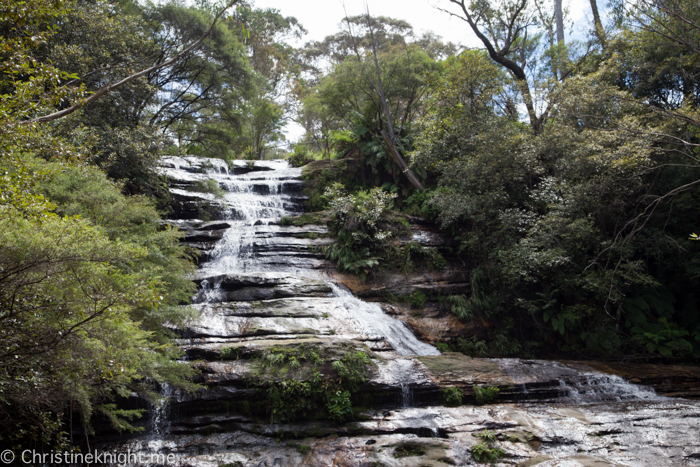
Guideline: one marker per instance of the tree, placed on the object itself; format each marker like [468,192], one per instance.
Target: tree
[503,29]
[538,217]
[377,87]
[89,280]
[264,33]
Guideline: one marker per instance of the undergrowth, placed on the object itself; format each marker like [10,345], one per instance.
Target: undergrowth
[309,383]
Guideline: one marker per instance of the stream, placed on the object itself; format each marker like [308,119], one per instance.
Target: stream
[262,284]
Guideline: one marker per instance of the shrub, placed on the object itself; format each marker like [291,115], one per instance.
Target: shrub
[486,395]
[209,186]
[486,453]
[301,156]
[354,222]
[339,406]
[417,299]
[451,396]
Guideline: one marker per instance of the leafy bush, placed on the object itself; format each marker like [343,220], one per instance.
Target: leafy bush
[209,186]
[91,289]
[339,406]
[301,156]
[486,395]
[451,396]
[486,453]
[418,204]
[417,299]
[354,223]
[309,394]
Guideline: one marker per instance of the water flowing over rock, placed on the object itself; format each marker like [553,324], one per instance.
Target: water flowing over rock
[265,286]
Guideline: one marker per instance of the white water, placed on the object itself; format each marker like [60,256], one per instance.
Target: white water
[254,200]
[373,321]
[598,387]
[160,411]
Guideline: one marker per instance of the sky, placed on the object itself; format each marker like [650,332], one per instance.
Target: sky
[322,18]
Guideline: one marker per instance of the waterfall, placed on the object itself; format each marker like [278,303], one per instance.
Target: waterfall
[159,411]
[406,395]
[372,319]
[257,195]
[597,387]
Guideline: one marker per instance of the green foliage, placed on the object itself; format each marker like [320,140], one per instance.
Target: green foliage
[484,452]
[417,299]
[92,283]
[302,392]
[539,216]
[451,396]
[408,450]
[352,369]
[302,156]
[85,191]
[345,96]
[486,395]
[404,258]
[472,346]
[209,186]
[303,449]
[418,204]
[340,406]
[443,347]
[229,353]
[67,298]
[354,223]
[487,436]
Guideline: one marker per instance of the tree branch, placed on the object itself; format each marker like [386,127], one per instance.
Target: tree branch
[111,87]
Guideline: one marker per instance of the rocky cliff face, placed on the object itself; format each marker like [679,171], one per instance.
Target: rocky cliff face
[274,313]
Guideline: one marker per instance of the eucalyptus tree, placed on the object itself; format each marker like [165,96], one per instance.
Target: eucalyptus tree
[90,281]
[577,223]
[264,33]
[374,86]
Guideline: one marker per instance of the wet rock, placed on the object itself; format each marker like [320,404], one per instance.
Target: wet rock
[546,413]
[238,287]
[456,369]
[208,235]
[449,281]
[670,380]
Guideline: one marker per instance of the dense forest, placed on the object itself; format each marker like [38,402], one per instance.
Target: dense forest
[563,169]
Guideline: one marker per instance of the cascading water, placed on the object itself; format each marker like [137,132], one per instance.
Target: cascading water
[159,412]
[595,387]
[253,203]
[261,288]
[371,318]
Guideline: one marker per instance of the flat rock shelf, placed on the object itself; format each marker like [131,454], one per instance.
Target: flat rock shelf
[263,286]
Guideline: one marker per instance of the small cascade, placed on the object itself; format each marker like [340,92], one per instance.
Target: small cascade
[159,412]
[373,321]
[406,395]
[253,200]
[592,388]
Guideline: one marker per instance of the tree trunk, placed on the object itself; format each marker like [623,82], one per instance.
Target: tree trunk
[398,160]
[559,15]
[389,139]
[598,25]
[500,57]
